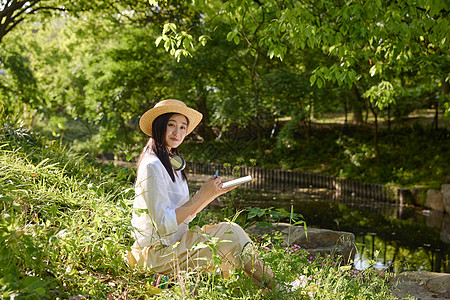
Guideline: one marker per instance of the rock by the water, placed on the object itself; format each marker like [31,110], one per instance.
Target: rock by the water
[421,285]
[315,241]
[445,190]
[434,200]
[445,229]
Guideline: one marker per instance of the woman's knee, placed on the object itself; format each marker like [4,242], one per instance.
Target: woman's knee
[232,227]
[235,233]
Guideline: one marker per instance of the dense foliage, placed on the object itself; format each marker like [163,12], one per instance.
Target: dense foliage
[260,72]
[410,153]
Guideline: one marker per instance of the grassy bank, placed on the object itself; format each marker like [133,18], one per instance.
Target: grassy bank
[65,228]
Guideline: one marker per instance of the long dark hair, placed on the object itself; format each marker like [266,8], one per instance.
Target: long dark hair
[156,144]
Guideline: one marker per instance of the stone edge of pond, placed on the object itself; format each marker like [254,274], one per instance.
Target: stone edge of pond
[422,285]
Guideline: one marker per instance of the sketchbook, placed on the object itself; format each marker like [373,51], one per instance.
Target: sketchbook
[237,181]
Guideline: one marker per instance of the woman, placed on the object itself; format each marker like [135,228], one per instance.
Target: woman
[163,209]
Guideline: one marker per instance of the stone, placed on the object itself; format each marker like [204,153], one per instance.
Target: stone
[315,241]
[445,190]
[434,200]
[445,229]
[434,219]
[439,283]
[421,285]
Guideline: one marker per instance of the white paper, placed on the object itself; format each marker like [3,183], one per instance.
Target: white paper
[237,181]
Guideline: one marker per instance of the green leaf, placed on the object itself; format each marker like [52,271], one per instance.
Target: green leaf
[312,79]
[167,44]
[341,50]
[319,83]
[169,27]
[186,43]
[231,35]
[236,39]
[373,70]
[203,39]
[158,40]
[165,28]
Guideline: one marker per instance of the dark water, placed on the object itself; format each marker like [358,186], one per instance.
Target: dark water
[388,236]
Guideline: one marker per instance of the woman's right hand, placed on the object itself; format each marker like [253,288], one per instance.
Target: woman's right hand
[212,188]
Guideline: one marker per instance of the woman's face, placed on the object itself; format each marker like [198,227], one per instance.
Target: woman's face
[176,131]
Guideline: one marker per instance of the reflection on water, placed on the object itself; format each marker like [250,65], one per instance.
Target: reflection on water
[388,235]
[363,262]
[380,254]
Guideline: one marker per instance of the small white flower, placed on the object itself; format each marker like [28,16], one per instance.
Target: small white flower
[300,282]
[63,233]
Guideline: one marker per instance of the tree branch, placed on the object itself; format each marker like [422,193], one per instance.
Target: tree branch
[10,27]
[14,14]
[9,10]
[34,2]
[7,14]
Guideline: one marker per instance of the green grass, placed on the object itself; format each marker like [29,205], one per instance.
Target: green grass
[65,228]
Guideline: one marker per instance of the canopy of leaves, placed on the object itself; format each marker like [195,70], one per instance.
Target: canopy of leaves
[104,63]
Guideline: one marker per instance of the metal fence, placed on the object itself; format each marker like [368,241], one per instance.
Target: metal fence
[294,181]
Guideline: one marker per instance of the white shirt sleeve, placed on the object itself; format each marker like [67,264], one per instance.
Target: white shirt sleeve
[156,195]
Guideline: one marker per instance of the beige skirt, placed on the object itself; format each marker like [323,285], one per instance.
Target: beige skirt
[195,250]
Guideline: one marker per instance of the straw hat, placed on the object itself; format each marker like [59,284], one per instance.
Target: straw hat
[169,106]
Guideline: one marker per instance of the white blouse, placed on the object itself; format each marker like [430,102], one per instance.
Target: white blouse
[157,196]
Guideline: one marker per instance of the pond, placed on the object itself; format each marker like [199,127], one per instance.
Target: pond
[388,235]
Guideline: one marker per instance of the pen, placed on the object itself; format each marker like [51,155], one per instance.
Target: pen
[215,174]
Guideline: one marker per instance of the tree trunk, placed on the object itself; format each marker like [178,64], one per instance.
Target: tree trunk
[310,116]
[389,117]
[204,129]
[375,133]
[438,258]
[356,103]
[346,112]
[445,90]
[436,115]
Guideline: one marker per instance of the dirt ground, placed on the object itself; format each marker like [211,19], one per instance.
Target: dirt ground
[421,285]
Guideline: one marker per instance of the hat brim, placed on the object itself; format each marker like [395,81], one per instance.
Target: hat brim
[194,117]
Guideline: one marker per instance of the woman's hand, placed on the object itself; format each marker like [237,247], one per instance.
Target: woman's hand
[212,188]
